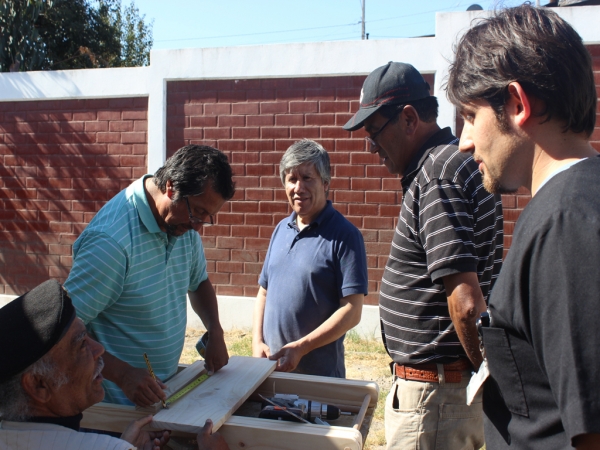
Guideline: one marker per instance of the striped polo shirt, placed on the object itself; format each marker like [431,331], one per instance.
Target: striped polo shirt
[448,224]
[129,283]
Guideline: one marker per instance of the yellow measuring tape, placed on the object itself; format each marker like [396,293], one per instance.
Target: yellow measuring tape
[184,390]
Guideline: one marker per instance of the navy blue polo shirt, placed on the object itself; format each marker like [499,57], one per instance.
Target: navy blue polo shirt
[306,273]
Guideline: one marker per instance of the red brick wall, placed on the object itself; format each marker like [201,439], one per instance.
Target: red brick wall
[60,161]
[254,122]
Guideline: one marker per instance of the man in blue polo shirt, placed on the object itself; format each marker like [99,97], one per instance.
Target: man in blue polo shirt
[134,264]
[314,277]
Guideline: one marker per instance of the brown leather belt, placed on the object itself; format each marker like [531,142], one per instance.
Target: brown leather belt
[429,372]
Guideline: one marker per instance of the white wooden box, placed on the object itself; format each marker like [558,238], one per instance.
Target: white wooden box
[242,432]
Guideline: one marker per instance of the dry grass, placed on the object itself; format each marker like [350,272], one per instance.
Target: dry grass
[365,360]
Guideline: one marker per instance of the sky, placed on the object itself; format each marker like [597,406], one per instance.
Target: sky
[220,23]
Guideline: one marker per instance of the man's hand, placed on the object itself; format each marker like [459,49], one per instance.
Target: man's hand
[288,357]
[207,440]
[204,303]
[216,352]
[137,384]
[260,350]
[139,387]
[342,320]
[144,440]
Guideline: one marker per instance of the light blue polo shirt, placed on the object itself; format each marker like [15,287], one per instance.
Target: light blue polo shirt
[129,283]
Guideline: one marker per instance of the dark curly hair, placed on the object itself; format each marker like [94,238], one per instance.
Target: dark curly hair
[191,167]
[539,50]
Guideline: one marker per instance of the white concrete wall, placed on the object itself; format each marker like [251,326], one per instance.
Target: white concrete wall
[429,55]
[236,314]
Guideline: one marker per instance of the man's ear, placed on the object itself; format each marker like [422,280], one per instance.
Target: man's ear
[170,191]
[38,389]
[410,118]
[518,104]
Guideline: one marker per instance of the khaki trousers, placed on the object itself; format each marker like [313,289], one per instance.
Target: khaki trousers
[427,416]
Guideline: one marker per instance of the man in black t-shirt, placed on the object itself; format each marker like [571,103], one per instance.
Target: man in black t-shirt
[523,82]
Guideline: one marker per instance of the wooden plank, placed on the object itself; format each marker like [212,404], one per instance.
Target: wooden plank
[217,398]
[115,418]
[333,391]
[239,432]
[184,377]
[361,414]
[110,417]
[246,432]
[181,379]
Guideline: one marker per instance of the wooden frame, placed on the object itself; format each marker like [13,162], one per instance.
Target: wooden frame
[359,397]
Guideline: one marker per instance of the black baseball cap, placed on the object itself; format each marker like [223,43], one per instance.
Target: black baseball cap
[393,84]
[31,325]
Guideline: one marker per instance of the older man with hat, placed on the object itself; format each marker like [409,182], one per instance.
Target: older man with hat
[51,372]
[445,256]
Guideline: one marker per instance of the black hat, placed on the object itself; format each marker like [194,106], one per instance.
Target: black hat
[393,84]
[31,325]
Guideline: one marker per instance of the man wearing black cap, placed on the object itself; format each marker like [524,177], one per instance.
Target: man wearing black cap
[51,372]
[445,255]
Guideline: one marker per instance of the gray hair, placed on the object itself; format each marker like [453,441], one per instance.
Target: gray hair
[14,401]
[306,151]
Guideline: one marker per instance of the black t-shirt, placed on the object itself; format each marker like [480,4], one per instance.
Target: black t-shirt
[543,347]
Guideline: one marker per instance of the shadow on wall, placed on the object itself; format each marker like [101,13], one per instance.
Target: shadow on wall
[62,160]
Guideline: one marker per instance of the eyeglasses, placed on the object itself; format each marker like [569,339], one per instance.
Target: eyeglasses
[196,220]
[371,139]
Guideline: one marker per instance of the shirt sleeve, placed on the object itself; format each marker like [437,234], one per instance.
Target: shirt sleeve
[564,289]
[198,272]
[96,279]
[352,258]
[445,220]
[263,279]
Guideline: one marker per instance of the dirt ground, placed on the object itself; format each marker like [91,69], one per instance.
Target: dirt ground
[365,360]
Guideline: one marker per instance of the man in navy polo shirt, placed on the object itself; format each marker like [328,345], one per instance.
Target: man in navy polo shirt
[314,277]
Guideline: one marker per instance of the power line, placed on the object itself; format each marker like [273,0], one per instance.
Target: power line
[343,35]
[256,34]
[362,22]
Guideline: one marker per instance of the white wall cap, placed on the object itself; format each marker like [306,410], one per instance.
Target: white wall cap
[74,84]
[292,60]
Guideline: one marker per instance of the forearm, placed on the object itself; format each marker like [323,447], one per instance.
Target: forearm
[466,303]
[342,320]
[259,315]
[204,303]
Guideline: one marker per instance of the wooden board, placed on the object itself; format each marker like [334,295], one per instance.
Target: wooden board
[184,377]
[175,383]
[217,398]
[255,434]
